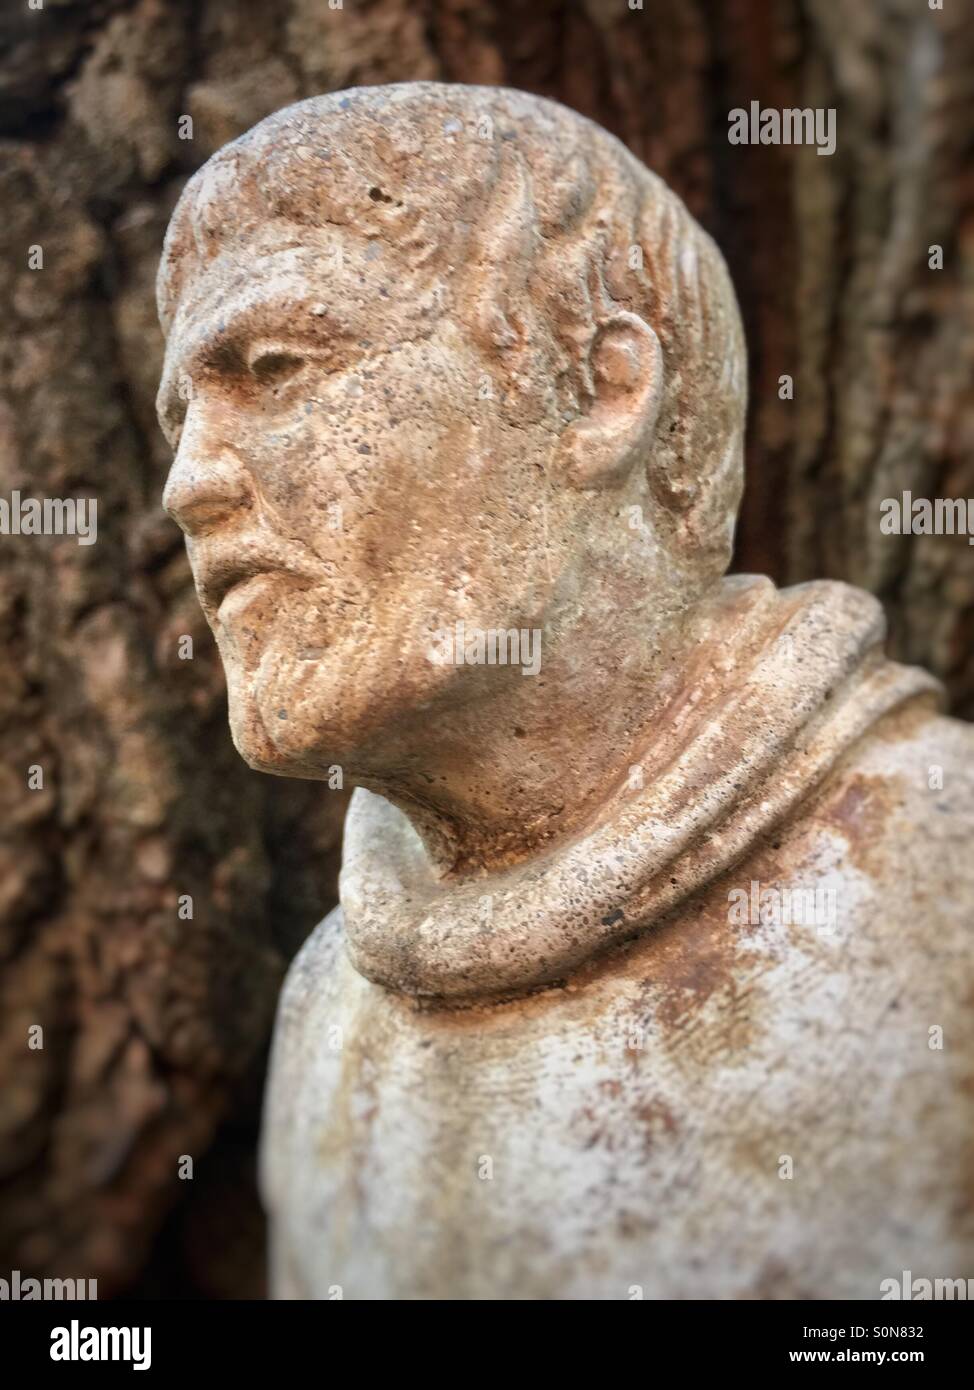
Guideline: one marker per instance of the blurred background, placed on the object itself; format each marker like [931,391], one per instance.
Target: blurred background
[155,1027]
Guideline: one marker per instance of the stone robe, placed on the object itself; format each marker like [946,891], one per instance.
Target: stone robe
[718,1046]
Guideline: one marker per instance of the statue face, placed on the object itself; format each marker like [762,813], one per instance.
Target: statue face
[348,486]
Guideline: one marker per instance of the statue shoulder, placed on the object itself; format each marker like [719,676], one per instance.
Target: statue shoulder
[305,1012]
[314,962]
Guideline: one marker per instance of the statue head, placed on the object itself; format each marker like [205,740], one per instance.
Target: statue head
[439,355]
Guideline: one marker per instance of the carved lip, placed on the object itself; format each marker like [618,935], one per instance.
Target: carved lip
[223,568]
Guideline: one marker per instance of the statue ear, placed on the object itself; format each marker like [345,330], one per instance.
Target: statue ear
[626,366]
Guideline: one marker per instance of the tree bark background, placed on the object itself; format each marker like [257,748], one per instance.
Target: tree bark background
[156,1027]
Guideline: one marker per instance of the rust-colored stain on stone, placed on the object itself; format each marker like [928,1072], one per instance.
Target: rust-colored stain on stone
[656,1118]
[859,812]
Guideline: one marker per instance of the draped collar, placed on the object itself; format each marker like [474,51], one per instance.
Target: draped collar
[781,685]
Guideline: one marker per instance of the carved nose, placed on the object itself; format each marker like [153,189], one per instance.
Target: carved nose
[203,490]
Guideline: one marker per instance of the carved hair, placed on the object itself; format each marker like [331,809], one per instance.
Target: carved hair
[522,220]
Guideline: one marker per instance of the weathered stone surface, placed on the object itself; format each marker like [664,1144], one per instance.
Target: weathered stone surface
[638,978]
[828,258]
[636,1116]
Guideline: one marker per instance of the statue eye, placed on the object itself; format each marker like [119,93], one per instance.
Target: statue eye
[274,367]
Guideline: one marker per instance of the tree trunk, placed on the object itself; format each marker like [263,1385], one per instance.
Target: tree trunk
[155,1022]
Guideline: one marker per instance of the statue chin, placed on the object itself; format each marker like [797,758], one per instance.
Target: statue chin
[256,749]
[286,756]
[270,739]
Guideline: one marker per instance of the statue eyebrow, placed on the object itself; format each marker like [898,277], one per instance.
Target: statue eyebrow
[224,346]
[221,347]
[209,348]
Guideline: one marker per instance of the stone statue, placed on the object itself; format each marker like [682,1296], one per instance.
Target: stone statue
[652,971]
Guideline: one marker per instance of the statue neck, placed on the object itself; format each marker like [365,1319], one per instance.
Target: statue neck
[490,783]
[778,688]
